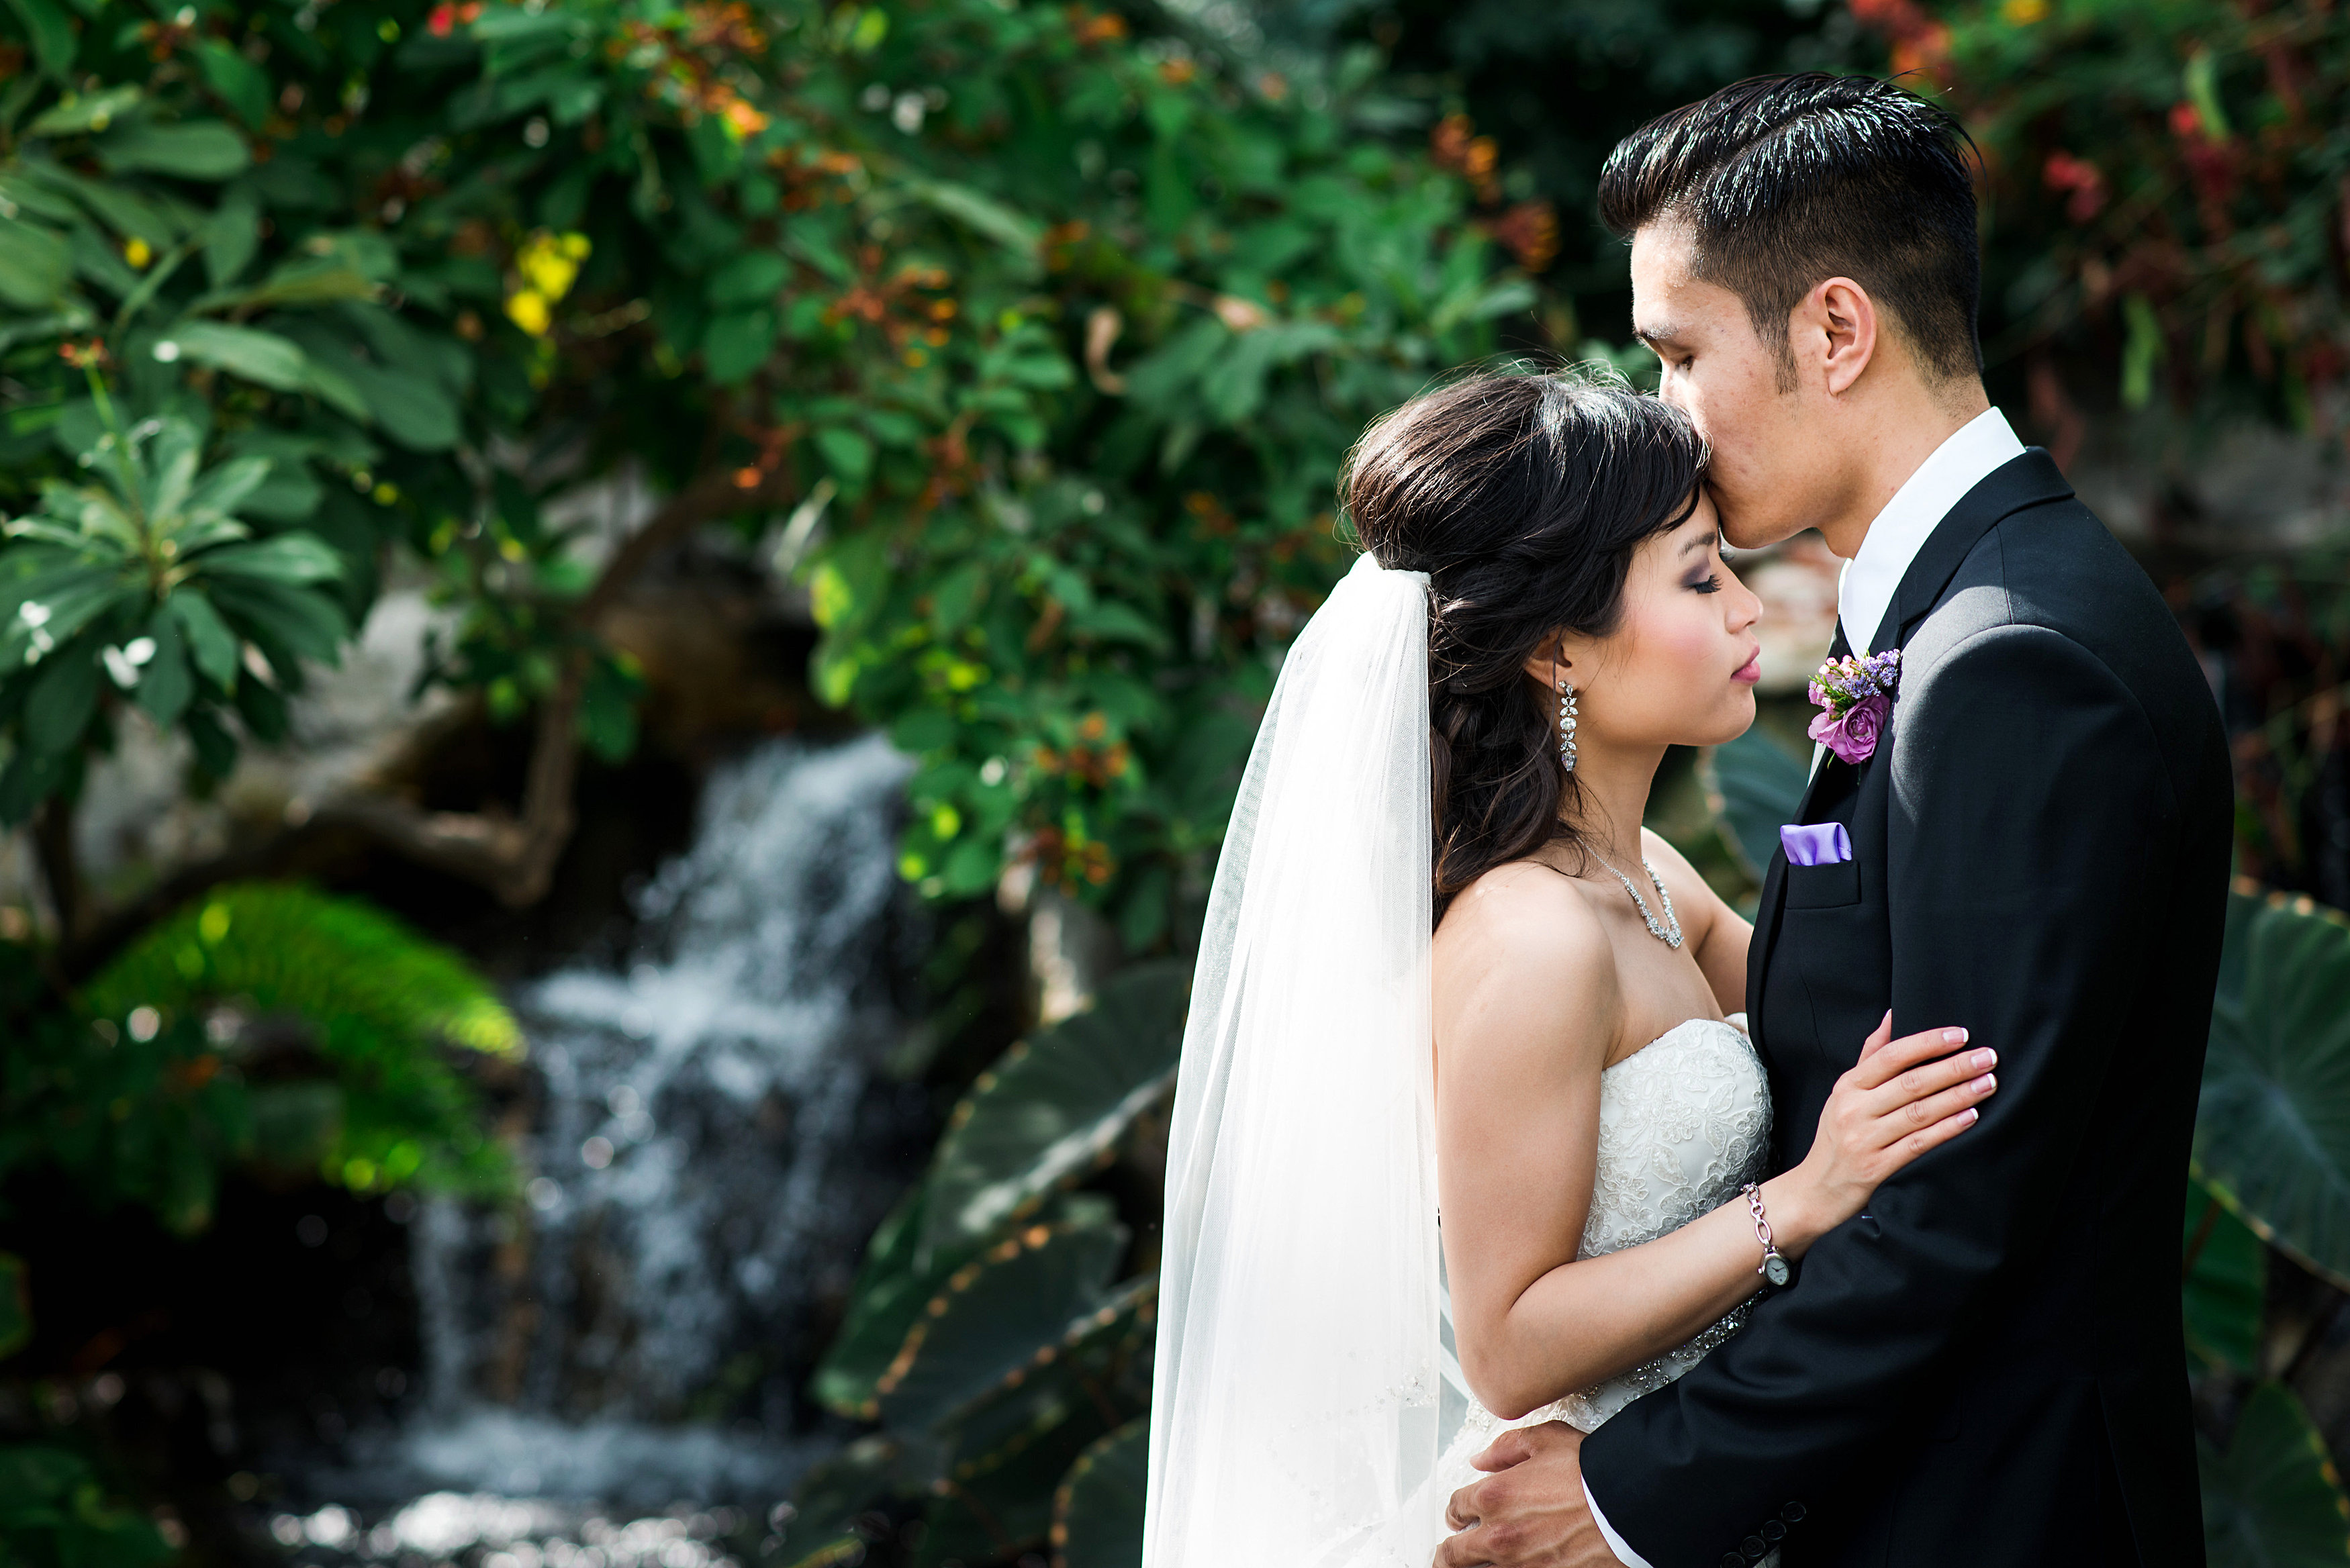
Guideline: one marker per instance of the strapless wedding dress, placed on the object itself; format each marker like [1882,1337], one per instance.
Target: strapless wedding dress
[1683,1125]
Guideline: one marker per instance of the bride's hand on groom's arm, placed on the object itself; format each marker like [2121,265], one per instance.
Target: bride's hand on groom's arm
[1902,1098]
[1530,1510]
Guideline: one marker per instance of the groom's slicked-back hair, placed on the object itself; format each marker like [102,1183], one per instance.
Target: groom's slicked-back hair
[1786,181]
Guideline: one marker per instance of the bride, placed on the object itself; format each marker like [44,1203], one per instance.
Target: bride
[1461,742]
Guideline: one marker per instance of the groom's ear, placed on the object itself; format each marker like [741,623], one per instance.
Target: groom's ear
[1833,334]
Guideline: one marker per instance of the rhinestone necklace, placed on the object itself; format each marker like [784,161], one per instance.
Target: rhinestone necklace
[1667,933]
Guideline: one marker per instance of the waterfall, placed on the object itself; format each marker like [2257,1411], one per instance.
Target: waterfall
[694,1178]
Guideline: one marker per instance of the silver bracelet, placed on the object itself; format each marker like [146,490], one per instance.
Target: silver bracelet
[1774,1267]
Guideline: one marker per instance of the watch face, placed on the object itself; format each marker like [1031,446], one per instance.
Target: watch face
[1775,1270]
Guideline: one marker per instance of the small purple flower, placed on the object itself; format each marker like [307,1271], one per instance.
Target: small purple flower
[1853,737]
[1855,695]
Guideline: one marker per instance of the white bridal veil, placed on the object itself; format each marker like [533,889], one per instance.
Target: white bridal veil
[1298,1389]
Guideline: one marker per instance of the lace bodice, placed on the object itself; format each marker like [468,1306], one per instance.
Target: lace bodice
[1683,1124]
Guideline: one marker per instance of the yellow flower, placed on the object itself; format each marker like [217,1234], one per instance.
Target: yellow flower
[136,251]
[526,308]
[550,263]
[2023,13]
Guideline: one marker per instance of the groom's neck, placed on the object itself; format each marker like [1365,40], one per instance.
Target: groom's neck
[1889,433]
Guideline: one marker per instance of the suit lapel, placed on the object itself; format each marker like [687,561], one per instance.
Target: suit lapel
[2025,480]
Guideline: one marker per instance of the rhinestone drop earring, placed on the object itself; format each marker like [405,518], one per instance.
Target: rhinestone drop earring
[1565,725]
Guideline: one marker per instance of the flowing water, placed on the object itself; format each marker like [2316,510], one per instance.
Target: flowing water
[701,1176]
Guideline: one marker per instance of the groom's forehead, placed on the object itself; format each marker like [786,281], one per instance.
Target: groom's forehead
[1667,303]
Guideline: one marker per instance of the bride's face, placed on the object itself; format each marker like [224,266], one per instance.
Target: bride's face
[1680,669]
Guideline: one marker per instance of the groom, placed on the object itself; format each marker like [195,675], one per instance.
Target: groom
[1985,1370]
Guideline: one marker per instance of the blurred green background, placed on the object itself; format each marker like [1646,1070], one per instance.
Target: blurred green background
[441,444]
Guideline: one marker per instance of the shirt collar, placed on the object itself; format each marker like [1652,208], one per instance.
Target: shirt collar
[1969,456]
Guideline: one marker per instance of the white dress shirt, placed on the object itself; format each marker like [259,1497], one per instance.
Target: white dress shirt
[1866,587]
[1865,592]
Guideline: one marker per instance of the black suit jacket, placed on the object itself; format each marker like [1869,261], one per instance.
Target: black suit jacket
[1986,1367]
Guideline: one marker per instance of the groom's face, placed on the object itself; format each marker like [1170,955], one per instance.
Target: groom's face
[1765,475]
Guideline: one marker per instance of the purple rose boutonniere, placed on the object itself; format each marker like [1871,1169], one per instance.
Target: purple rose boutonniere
[1855,696]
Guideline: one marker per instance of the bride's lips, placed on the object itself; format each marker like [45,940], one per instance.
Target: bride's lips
[1752,671]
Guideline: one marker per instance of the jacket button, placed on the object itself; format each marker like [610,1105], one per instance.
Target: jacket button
[1755,1548]
[1793,1513]
[1773,1532]
[1732,1560]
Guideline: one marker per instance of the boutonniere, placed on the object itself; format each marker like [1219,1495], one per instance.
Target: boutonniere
[1855,698]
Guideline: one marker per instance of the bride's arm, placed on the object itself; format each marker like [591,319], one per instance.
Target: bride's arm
[1526,1007]
[1718,935]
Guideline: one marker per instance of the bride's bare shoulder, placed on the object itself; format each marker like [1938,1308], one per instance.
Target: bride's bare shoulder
[1528,933]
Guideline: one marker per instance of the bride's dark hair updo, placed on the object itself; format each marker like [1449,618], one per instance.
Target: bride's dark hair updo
[1524,497]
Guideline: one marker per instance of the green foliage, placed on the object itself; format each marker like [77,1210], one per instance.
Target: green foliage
[1060,333]
[133,1110]
[1753,784]
[999,1349]
[2274,1499]
[149,580]
[379,1005]
[266,1026]
[15,1308]
[54,1514]
[1097,1513]
[1052,1111]
[2164,191]
[2272,1135]
[2226,1288]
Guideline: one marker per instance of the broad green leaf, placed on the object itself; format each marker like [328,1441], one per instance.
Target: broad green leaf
[1097,1354]
[241,84]
[63,700]
[849,453]
[410,410]
[52,34]
[210,644]
[224,489]
[1097,1512]
[2272,1134]
[1755,785]
[883,1304]
[2226,1286]
[191,150]
[736,343]
[820,1530]
[171,456]
[262,357]
[303,620]
[166,685]
[16,1306]
[65,602]
[751,278]
[76,113]
[232,235]
[293,557]
[2272,1499]
[1017,232]
[33,264]
[993,1315]
[307,281]
[1054,1106]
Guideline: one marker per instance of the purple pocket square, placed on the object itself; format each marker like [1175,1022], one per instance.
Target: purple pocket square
[1815,843]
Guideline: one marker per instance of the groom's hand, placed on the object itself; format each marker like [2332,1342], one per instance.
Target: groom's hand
[1529,1511]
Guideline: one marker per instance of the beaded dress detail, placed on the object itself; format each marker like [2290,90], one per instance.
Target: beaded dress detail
[1684,1123]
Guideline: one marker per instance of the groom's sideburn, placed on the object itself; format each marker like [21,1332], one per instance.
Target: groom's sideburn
[1987,1367]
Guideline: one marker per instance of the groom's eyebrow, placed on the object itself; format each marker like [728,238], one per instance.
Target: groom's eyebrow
[1664,333]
